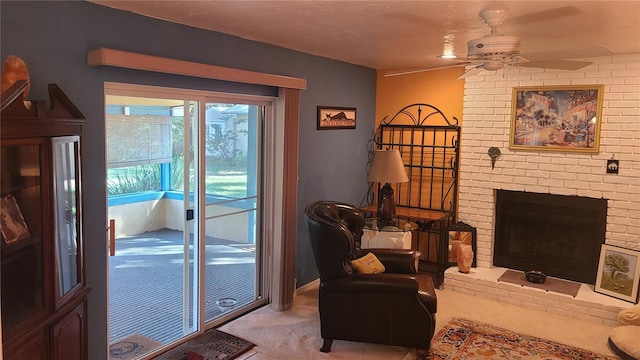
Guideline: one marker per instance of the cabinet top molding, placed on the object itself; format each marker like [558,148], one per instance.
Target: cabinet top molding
[56,117]
[14,105]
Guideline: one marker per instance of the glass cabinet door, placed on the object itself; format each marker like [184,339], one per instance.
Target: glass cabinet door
[21,232]
[67,212]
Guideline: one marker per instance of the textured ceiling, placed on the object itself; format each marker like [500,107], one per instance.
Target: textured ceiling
[388,35]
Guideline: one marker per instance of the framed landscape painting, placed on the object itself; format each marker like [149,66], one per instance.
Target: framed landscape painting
[556,118]
[618,273]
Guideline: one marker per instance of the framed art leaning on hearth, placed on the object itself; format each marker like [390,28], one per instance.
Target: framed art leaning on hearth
[556,118]
[618,273]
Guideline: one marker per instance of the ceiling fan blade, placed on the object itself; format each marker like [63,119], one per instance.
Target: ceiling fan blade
[546,15]
[557,64]
[476,70]
[591,51]
[417,70]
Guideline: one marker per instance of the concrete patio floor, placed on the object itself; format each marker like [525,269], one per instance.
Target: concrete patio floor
[146,283]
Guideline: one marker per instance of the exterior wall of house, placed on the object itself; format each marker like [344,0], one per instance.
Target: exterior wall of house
[138,217]
[229,227]
[487,110]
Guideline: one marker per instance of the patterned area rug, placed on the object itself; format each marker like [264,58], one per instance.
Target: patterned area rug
[132,347]
[467,339]
[212,345]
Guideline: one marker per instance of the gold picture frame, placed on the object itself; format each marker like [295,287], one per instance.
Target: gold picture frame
[556,118]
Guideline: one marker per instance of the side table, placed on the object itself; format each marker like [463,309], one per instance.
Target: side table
[387,237]
[427,237]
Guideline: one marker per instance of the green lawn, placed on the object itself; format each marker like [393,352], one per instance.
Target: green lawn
[227,184]
[220,180]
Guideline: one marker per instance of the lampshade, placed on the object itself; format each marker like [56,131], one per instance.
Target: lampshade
[387,167]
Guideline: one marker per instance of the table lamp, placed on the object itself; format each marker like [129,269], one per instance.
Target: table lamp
[387,167]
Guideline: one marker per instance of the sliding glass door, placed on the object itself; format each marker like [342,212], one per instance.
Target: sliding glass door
[152,271]
[231,220]
[186,250]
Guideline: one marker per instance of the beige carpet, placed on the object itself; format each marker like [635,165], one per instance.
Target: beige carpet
[295,333]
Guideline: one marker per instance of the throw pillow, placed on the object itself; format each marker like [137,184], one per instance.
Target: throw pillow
[368,264]
[630,316]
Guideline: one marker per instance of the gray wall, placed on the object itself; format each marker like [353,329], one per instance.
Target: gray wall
[53,38]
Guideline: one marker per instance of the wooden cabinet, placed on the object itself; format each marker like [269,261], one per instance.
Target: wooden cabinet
[42,276]
[67,335]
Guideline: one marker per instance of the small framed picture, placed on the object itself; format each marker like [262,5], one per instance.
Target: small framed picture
[331,117]
[618,273]
[13,228]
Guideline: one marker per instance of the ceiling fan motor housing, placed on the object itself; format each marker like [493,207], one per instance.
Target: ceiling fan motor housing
[489,47]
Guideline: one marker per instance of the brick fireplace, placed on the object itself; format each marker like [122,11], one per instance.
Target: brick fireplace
[486,123]
[556,234]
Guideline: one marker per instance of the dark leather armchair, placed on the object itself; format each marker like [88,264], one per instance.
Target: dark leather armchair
[396,307]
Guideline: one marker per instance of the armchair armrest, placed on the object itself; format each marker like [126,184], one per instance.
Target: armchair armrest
[398,261]
[372,283]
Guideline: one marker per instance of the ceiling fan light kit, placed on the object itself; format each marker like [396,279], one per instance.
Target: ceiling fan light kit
[494,18]
[492,65]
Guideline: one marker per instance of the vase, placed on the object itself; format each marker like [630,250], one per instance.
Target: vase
[464,258]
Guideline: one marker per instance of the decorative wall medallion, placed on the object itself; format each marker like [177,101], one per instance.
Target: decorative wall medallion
[494,153]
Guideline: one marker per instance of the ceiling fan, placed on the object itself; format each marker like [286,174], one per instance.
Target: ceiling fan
[494,51]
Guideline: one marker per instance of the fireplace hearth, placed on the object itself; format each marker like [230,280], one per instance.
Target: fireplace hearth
[556,234]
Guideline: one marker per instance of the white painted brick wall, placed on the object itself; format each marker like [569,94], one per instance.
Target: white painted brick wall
[587,305]
[486,123]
